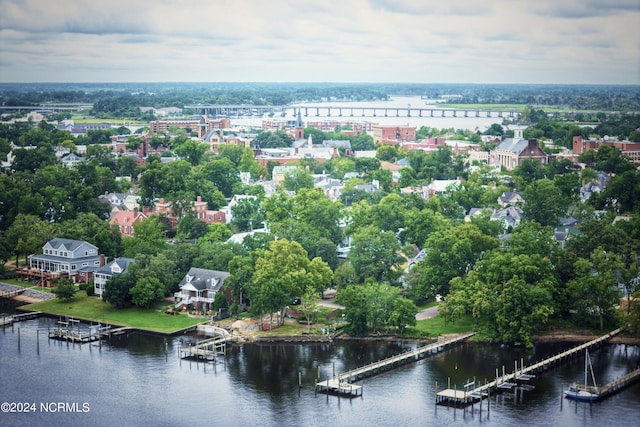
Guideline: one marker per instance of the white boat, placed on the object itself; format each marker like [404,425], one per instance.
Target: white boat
[585,393]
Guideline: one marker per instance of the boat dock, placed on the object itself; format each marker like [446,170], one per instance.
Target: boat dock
[508,381]
[342,384]
[69,330]
[618,384]
[13,318]
[207,349]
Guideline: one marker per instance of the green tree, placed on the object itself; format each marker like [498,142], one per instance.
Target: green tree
[117,290]
[282,273]
[146,292]
[544,202]
[593,292]
[450,252]
[376,308]
[509,295]
[192,151]
[65,290]
[298,179]
[149,238]
[375,254]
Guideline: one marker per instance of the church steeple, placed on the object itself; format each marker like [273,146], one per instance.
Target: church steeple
[299,129]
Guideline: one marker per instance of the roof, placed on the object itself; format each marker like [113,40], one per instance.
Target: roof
[122,262]
[513,144]
[199,279]
[69,244]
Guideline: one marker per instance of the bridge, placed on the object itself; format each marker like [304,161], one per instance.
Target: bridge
[70,106]
[322,110]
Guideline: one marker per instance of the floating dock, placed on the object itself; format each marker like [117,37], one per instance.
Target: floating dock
[342,384]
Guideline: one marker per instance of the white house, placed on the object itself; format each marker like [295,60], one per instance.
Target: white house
[198,288]
[103,274]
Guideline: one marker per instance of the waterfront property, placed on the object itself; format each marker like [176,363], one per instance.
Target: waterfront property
[62,258]
[199,287]
[103,274]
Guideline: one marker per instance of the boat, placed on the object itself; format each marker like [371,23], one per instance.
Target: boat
[584,392]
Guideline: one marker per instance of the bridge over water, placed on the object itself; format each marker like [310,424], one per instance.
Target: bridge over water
[327,110]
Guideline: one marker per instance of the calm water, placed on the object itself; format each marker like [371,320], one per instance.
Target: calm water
[139,380]
[481,123]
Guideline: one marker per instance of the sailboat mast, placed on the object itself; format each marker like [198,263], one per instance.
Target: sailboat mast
[586,359]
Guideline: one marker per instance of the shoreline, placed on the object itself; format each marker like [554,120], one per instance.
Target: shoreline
[257,337]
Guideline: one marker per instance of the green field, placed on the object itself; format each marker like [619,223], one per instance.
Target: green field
[95,310]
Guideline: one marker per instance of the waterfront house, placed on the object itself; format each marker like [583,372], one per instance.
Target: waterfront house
[62,258]
[104,273]
[198,289]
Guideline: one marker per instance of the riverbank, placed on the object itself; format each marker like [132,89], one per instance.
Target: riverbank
[91,309]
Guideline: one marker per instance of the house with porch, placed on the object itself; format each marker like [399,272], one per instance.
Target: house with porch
[198,288]
[104,273]
[62,258]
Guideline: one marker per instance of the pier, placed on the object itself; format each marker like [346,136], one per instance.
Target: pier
[618,384]
[14,318]
[506,381]
[342,384]
[207,349]
[69,330]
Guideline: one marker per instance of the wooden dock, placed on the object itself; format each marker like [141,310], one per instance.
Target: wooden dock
[208,349]
[69,330]
[13,318]
[518,376]
[618,384]
[342,384]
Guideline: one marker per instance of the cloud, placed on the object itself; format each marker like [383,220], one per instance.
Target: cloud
[578,9]
[328,40]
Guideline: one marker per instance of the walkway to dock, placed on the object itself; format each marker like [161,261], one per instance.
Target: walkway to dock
[342,383]
[524,374]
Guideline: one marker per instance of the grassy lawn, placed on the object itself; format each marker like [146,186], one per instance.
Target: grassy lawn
[435,326]
[94,309]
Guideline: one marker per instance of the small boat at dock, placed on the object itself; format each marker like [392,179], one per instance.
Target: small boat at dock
[584,392]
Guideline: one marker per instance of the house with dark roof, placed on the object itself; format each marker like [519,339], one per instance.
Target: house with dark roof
[510,198]
[510,217]
[104,273]
[198,288]
[62,258]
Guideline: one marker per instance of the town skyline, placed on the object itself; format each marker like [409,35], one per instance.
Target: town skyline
[573,42]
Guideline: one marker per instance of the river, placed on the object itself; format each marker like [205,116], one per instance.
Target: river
[139,380]
[468,123]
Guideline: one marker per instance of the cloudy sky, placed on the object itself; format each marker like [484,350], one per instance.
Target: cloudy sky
[464,41]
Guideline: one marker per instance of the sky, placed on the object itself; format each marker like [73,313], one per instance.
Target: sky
[416,41]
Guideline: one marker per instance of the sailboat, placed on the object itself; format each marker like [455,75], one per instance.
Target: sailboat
[584,392]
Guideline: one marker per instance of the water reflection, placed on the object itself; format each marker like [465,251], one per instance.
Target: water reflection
[138,379]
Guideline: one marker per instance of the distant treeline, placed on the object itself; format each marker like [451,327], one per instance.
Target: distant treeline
[124,99]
